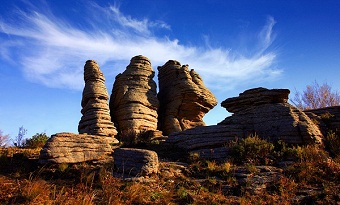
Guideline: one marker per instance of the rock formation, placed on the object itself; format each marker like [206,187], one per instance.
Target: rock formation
[327,118]
[134,162]
[133,102]
[257,111]
[184,99]
[96,119]
[267,113]
[75,148]
[255,97]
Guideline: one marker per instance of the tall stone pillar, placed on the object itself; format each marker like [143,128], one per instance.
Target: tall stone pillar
[96,118]
[133,101]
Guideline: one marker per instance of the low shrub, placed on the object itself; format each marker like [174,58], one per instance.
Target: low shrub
[37,140]
[332,144]
[314,166]
[285,152]
[251,150]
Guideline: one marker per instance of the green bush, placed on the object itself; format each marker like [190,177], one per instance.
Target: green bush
[251,150]
[37,140]
[285,152]
[332,143]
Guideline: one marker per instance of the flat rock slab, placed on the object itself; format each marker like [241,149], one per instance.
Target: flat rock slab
[75,148]
[134,162]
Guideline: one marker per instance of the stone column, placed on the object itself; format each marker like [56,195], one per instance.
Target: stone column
[96,119]
[133,102]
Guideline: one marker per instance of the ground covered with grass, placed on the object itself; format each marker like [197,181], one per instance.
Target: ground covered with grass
[256,172]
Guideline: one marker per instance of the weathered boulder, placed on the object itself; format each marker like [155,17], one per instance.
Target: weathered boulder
[134,162]
[184,99]
[133,102]
[96,119]
[75,148]
[260,111]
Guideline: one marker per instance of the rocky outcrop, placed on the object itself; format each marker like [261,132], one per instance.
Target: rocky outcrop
[134,162]
[184,99]
[327,118]
[259,111]
[133,102]
[96,119]
[267,113]
[75,148]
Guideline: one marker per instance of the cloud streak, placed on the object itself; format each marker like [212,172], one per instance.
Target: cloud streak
[52,51]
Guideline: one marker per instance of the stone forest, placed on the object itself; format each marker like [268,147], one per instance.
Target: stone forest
[176,112]
[146,136]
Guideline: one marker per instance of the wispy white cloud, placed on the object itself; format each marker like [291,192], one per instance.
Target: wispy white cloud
[266,36]
[52,51]
[141,26]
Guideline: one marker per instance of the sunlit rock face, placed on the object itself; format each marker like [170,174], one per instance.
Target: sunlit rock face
[133,102]
[96,118]
[184,99]
[75,148]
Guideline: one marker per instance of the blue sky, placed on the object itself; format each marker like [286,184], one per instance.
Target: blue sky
[233,45]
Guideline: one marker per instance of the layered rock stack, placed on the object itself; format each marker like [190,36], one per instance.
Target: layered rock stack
[96,131]
[96,119]
[184,99]
[259,111]
[133,102]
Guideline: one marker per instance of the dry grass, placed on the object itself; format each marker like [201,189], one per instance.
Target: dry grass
[23,181]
